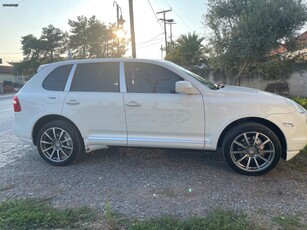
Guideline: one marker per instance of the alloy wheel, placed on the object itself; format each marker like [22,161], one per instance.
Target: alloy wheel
[252,151]
[56,144]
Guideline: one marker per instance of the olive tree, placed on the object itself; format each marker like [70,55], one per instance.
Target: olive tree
[243,32]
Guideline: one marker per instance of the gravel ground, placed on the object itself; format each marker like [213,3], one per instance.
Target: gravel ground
[145,183]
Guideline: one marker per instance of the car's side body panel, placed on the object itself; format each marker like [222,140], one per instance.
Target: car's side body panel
[36,103]
[97,117]
[219,104]
[165,120]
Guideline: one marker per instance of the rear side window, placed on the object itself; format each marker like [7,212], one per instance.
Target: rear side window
[56,80]
[96,77]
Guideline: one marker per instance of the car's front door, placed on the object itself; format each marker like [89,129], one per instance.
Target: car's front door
[156,115]
[94,102]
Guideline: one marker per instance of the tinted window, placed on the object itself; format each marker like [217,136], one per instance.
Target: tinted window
[56,80]
[149,78]
[96,77]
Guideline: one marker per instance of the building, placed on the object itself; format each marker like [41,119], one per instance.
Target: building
[302,40]
[280,50]
[9,80]
[299,53]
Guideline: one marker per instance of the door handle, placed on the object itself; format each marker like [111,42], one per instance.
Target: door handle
[133,104]
[73,102]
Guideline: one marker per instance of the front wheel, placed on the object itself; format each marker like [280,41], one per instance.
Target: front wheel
[58,143]
[251,149]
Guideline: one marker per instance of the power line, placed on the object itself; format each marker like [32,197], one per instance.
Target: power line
[150,45]
[155,14]
[157,40]
[143,43]
[184,22]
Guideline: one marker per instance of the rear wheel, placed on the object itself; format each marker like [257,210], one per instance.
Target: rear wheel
[58,143]
[251,149]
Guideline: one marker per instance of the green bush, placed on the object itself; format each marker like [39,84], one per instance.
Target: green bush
[301,100]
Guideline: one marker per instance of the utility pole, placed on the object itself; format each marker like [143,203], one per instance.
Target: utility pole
[165,20]
[171,32]
[161,52]
[132,29]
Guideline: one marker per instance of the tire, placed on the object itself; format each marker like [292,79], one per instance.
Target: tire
[251,149]
[58,143]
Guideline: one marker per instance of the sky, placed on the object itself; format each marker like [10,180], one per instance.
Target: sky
[32,15]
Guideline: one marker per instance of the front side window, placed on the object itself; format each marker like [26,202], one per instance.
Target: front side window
[56,80]
[149,78]
[96,77]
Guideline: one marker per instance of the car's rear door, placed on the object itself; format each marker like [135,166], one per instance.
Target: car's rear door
[94,103]
[156,115]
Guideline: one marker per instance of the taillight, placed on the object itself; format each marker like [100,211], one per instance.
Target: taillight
[17,107]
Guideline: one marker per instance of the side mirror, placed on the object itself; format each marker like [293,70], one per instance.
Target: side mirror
[185,87]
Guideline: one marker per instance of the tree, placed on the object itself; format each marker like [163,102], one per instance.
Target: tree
[188,50]
[48,48]
[245,31]
[97,36]
[90,38]
[31,47]
[78,40]
[54,42]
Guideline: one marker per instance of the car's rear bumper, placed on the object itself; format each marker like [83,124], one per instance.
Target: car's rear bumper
[22,129]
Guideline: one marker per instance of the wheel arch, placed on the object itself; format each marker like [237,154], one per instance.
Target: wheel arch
[262,121]
[47,119]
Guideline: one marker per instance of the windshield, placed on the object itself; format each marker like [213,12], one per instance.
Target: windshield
[209,84]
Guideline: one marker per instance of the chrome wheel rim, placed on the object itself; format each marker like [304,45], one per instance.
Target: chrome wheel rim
[56,144]
[252,151]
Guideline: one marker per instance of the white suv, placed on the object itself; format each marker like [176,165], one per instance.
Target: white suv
[83,105]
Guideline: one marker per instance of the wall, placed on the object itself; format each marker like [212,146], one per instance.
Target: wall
[295,85]
[298,84]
